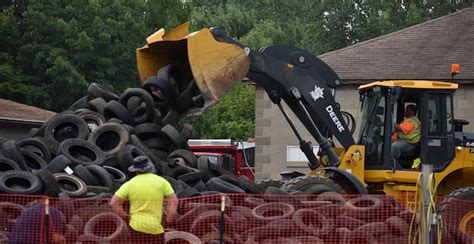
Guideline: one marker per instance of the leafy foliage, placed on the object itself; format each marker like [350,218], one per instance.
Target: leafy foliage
[51,50]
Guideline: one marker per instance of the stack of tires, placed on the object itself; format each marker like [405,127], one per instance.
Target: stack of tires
[86,150]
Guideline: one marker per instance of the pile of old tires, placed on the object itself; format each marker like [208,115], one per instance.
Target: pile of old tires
[86,150]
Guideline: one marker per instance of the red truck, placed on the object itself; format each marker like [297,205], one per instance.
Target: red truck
[234,155]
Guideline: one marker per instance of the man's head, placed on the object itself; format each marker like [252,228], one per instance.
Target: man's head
[142,164]
[410,110]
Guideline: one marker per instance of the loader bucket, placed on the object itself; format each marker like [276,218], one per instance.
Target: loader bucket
[215,66]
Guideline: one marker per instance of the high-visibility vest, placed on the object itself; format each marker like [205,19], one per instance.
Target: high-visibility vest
[413,136]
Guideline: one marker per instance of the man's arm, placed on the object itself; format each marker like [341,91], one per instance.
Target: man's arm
[171,207]
[117,206]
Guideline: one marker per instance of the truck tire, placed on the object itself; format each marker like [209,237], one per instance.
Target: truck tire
[7,164]
[58,164]
[455,209]
[110,137]
[97,90]
[71,185]
[216,184]
[98,104]
[101,174]
[147,99]
[33,161]
[10,150]
[93,119]
[147,131]
[312,222]
[66,126]
[187,155]
[176,236]
[174,137]
[398,226]
[82,102]
[250,186]
[265,183]
[114,109]
[117,175]
[365,208]
[50,185]
[85,175]
[279,210]
[81,152]
[312,185]
[20,182]
[28,143]
[357,236]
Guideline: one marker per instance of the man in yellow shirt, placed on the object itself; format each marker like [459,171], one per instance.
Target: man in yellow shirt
[406,134]
[146,193]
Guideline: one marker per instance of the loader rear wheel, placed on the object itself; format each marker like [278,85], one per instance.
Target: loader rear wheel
[312,185]
[457,213]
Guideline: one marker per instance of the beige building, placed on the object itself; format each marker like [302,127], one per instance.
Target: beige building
[17,119]
[424,51]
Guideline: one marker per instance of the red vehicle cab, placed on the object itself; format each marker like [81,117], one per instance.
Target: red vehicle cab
[235,156]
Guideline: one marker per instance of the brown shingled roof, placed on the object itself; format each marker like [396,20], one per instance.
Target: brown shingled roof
[10,110]
[423,51]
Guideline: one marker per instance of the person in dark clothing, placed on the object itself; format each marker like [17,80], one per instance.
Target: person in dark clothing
[30,226]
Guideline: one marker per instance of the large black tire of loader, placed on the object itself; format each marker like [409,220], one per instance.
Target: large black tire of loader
[312,185]
[455,209]
[265,183]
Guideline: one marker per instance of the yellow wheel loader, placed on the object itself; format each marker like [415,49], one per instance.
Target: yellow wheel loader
[307,85]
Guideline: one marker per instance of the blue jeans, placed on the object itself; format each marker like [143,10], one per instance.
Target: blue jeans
[401,146]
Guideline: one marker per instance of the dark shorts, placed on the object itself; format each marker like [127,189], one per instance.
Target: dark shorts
[140,237]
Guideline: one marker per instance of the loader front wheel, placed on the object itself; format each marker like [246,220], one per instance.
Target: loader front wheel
[312,185]
[457,211]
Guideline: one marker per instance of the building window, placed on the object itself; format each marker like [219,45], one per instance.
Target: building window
[294,154]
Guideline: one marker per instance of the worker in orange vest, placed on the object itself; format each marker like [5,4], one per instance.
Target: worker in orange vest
[406,135]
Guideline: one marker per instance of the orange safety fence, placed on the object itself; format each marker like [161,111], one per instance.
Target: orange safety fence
[247,218]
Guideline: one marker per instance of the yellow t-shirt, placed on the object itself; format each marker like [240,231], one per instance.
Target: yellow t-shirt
[146,193]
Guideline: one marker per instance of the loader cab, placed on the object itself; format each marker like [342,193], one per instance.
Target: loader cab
[384,103]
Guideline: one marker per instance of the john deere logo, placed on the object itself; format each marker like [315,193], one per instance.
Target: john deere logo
[317,93]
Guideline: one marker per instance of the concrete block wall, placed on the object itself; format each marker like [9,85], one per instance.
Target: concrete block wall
[273,134]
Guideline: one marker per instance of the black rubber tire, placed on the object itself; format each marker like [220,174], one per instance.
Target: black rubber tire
[10,150]
[364,207]
[453,208]
[180,170]
[96,90]
[50,185]
[71,233]
[82,102]
[114,109]
[147,99]
[11,211]
[173,236]
[52,145]
[66,126]
[203,166]
[232,179]
[97,104]
[159,144]
[356,236]
[101,174]
[117,175]
[147,130]
[81,152]
[398,226]
[58,164]
[27,143]
[187,131]
[85,175]
[93,119]
[110,137]
[376,229]
[199,185]
[7,164]
[97,190]
[216,184]
[171,118]
[126,156]
[250,186]
[174,137]
[350,223]
[177,187]
[312,222]
[312,185]
[265,183]
[72,185]
[284,210]
[188,192]
[189,158]
[33,161]
[20,182]
[111,161]
[191,178]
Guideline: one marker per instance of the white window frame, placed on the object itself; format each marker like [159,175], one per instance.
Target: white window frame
[298,155]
